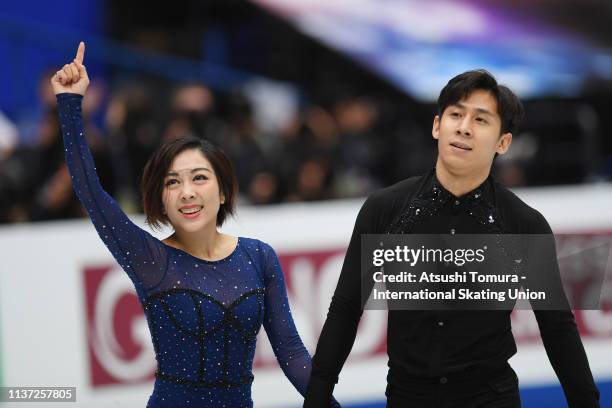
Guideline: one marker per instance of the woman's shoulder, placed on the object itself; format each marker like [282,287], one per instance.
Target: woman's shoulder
[255,244]
[261,254]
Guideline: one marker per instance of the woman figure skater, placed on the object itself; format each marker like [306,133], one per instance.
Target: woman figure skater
[205,294]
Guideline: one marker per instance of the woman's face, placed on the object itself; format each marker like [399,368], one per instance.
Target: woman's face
[191,195]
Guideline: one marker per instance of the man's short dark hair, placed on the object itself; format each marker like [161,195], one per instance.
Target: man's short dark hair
[509,107]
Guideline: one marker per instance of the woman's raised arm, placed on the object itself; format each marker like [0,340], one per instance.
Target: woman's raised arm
[141,255]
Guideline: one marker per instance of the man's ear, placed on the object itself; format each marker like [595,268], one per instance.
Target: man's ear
[504,142]
[435,129]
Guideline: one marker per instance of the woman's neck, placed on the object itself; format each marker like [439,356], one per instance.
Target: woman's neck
[210,245]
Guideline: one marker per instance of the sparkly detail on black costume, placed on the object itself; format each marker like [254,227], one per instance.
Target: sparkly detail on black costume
[429,202]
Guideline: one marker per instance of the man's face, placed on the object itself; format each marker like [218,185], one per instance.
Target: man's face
[468,134]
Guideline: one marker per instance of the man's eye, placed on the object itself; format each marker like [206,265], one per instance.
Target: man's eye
[454,114]
[481,120]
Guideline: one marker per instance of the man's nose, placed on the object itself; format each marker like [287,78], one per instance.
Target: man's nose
[465,128]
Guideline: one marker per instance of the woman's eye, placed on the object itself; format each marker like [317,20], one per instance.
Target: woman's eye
[171,182]
[200,177]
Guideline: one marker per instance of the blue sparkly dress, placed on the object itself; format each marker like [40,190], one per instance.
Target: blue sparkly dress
[203,316]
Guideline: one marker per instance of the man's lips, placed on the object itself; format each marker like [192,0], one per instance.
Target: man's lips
[461,146]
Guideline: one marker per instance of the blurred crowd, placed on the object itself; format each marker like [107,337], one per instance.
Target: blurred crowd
[285,146]
[309,152]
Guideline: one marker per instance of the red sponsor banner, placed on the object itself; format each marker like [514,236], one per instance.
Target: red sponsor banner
[119,344]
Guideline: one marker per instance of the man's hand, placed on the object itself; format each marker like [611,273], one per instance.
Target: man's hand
[72,78]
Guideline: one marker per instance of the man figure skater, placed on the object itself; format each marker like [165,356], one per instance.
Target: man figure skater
[454,358]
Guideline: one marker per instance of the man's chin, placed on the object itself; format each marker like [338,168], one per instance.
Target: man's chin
[462,166]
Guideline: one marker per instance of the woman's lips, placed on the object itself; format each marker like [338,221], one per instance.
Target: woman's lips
[191,214]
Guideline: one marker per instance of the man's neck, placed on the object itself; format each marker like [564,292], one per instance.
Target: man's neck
[460,184]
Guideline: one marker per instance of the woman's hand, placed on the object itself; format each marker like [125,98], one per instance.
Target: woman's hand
[72,78]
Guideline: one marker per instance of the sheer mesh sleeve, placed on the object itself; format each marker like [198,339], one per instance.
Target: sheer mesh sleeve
[289,350]
[141,255]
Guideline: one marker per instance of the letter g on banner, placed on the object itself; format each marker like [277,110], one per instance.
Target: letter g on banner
[119,344]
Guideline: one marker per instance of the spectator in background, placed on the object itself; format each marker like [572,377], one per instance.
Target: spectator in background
[52,197]
[10,169]
[34,181]
[310,150]
[264,188]
[193,113]
[356,118]
[312,181]
[134,133]
[8,136]
[239,140]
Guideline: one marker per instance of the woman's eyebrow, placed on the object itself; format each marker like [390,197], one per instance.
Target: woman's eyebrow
[173,173]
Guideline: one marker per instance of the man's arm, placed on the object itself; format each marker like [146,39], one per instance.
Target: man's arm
[558,328]
[340,328]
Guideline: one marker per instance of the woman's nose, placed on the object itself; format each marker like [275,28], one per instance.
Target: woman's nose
[187,192]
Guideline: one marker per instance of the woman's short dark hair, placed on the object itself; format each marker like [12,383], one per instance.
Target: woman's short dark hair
[509,106]
[159,163]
